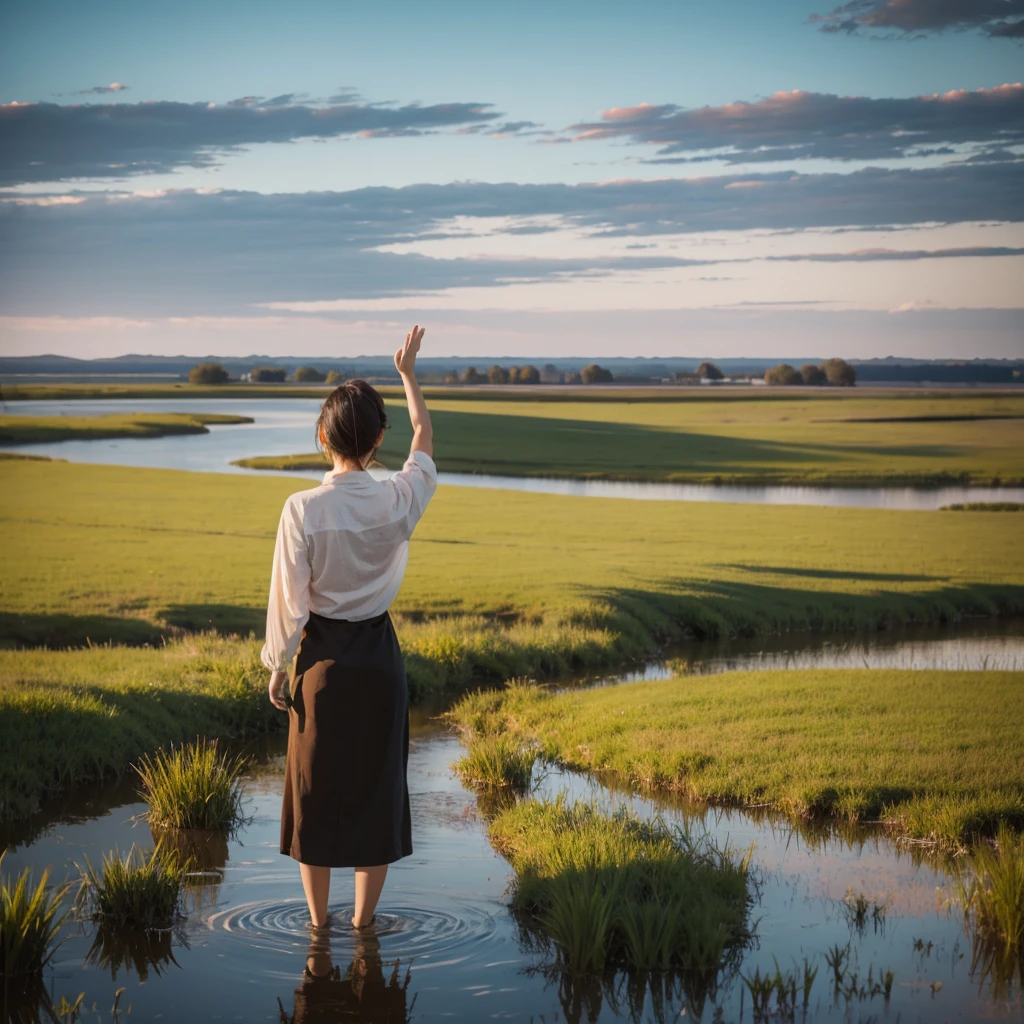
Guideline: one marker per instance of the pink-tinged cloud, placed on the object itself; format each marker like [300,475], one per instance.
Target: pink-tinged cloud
[798,125]
[918,18]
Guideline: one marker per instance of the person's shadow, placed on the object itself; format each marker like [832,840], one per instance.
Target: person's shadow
[371,990]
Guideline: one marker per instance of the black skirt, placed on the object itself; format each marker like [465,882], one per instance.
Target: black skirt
[346,800]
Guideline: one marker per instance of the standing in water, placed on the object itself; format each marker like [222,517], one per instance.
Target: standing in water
[340,556]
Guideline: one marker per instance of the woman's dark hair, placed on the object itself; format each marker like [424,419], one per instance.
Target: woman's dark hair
[351,420]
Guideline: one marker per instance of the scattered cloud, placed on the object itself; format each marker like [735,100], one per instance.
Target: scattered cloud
[189,252]
[917,18]
[101,90]
[801,125]
[42,142]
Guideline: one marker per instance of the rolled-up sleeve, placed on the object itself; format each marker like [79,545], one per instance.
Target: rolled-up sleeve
[414,486]
[288,608]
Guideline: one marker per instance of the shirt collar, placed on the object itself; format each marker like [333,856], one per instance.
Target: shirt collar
[333,476]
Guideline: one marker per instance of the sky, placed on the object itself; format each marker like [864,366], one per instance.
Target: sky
[670,178]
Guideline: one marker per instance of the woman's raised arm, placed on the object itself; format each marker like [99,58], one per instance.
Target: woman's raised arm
[405,363]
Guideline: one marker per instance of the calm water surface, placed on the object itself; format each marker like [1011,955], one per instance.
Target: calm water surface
[447,948]
[284,426]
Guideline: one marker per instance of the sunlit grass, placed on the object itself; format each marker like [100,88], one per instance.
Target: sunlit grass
[935,755]
[31,915]
[496,763]
[194,786]
[616,891]
[47,429]
[133,891]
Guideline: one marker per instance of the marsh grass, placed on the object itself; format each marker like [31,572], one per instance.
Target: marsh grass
[610,892]
[991,892]
[47,429]
[194,786]
[133,891]
[31,916]
[932,755]
[501,762]
[778,996]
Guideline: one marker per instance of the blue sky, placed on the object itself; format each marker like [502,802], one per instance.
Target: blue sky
[780,170]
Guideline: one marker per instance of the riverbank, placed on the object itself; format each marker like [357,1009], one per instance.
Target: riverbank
[935,756]
[77,716]
[16,430]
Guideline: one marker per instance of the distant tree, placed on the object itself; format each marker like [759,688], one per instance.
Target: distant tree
[451,378]
[497,375]
[513,375]
[594,374]
[783,374]
[710,371]
[687,377]
[549,374]
[840,373]
[308,375]
[335,377]
[813,375]
[571,377]
[208,373]
[267,374]
[470,375]
[528,375]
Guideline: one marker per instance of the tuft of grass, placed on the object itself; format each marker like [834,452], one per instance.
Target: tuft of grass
[133,892]
[610,892]
[934,755]
[991,892]
[31,916]
[984,506]
[194,786]
[501,762]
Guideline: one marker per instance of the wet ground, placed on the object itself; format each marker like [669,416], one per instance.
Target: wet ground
[446,946]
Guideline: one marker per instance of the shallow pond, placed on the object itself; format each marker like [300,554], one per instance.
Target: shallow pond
[446,946]
[284,426]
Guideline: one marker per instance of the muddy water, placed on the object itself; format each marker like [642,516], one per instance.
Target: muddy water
[284,426]
[446,946]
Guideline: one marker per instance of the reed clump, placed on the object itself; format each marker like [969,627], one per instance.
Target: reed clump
[609,892]
[134,891]
[991,892]
[31,915]
[194,786]
[501,762]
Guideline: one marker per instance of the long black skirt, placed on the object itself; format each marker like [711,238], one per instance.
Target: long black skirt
[346,800]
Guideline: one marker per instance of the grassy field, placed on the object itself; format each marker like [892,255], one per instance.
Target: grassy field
[938,756]
[824,438]
[44,429]
[141,552]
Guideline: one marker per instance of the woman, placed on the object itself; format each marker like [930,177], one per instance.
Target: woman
[339,560]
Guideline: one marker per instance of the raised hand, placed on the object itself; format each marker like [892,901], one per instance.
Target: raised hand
[405,357]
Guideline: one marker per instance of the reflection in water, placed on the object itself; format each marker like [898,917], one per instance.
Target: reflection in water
[120,949]
[371,989]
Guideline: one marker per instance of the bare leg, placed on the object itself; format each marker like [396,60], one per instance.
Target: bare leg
[316,881]
[369,882]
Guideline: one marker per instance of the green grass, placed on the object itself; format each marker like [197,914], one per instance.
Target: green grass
[45,429]
[497,585]
[133,892]
[617,892]
[71,717]
[192,786]
[827,438]
[498,762]
[991,892]
[937,756]
[31,916]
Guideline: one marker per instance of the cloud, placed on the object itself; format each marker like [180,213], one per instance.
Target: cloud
[917,18]
[42,142]
[801,125]
[100,90]
[218,251]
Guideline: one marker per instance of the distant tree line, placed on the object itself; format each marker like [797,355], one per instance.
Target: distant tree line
[528,374]
[215,373]
[833,372]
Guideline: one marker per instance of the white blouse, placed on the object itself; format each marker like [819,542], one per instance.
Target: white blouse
[341,550]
